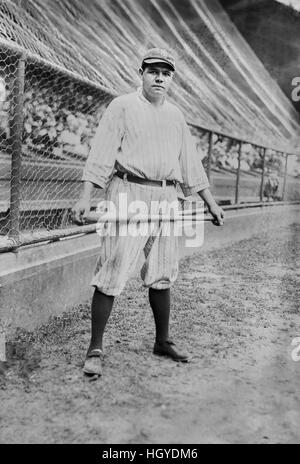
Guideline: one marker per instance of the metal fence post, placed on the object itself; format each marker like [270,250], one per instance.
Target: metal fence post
[16,147]
[261,190]
[210,144]
[237,184]
[285,175]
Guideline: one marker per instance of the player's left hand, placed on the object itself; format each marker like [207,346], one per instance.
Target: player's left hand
[217,214]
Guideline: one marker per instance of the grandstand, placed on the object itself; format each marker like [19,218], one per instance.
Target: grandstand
[272,30]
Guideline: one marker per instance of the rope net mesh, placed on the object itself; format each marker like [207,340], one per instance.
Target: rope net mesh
[60,116]
[220,83]
[79,55]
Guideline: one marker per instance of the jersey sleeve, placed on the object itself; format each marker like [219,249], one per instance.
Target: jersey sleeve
[192,170]
[105,145]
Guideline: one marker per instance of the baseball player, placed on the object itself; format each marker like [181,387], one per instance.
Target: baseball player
[142,148]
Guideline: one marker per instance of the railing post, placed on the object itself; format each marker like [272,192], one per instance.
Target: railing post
[237,184]
[285,176]
[209,152]
[16,147]
[261,190]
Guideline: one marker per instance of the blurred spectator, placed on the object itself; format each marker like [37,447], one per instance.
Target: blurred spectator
[2,90]
[271,186]
[4,111]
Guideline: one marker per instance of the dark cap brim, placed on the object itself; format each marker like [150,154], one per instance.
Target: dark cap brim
[159,60]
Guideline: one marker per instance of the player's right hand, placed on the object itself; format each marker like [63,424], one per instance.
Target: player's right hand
[80,210]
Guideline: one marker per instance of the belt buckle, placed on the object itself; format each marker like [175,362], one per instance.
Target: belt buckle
[164,183]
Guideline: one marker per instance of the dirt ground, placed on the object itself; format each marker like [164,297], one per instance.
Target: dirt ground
[234,309]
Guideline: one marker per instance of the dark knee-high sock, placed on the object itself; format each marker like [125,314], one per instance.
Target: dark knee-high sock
[160,304]
[101,308]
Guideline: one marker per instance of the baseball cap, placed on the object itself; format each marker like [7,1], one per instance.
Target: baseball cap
[159,55]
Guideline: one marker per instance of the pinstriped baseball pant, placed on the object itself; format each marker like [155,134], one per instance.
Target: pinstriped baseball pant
[119,254]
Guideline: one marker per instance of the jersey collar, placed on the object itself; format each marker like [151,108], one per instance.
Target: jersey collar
[145,100]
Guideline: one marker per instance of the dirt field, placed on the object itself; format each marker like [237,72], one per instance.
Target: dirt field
[235,309]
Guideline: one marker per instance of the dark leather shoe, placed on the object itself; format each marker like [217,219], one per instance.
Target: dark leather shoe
[168,349]
[93,363]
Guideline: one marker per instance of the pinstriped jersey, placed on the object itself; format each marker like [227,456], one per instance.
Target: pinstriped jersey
[139,138]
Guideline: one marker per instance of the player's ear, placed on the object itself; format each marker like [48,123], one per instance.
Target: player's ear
[141,71]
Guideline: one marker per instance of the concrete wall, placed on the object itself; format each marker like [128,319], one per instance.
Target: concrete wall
[45,280]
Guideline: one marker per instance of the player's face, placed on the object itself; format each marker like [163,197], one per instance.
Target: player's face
[156,80]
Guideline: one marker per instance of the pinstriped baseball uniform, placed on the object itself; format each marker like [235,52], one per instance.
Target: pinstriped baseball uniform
[150,142]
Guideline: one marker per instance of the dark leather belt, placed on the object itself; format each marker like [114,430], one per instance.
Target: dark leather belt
[140,180]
